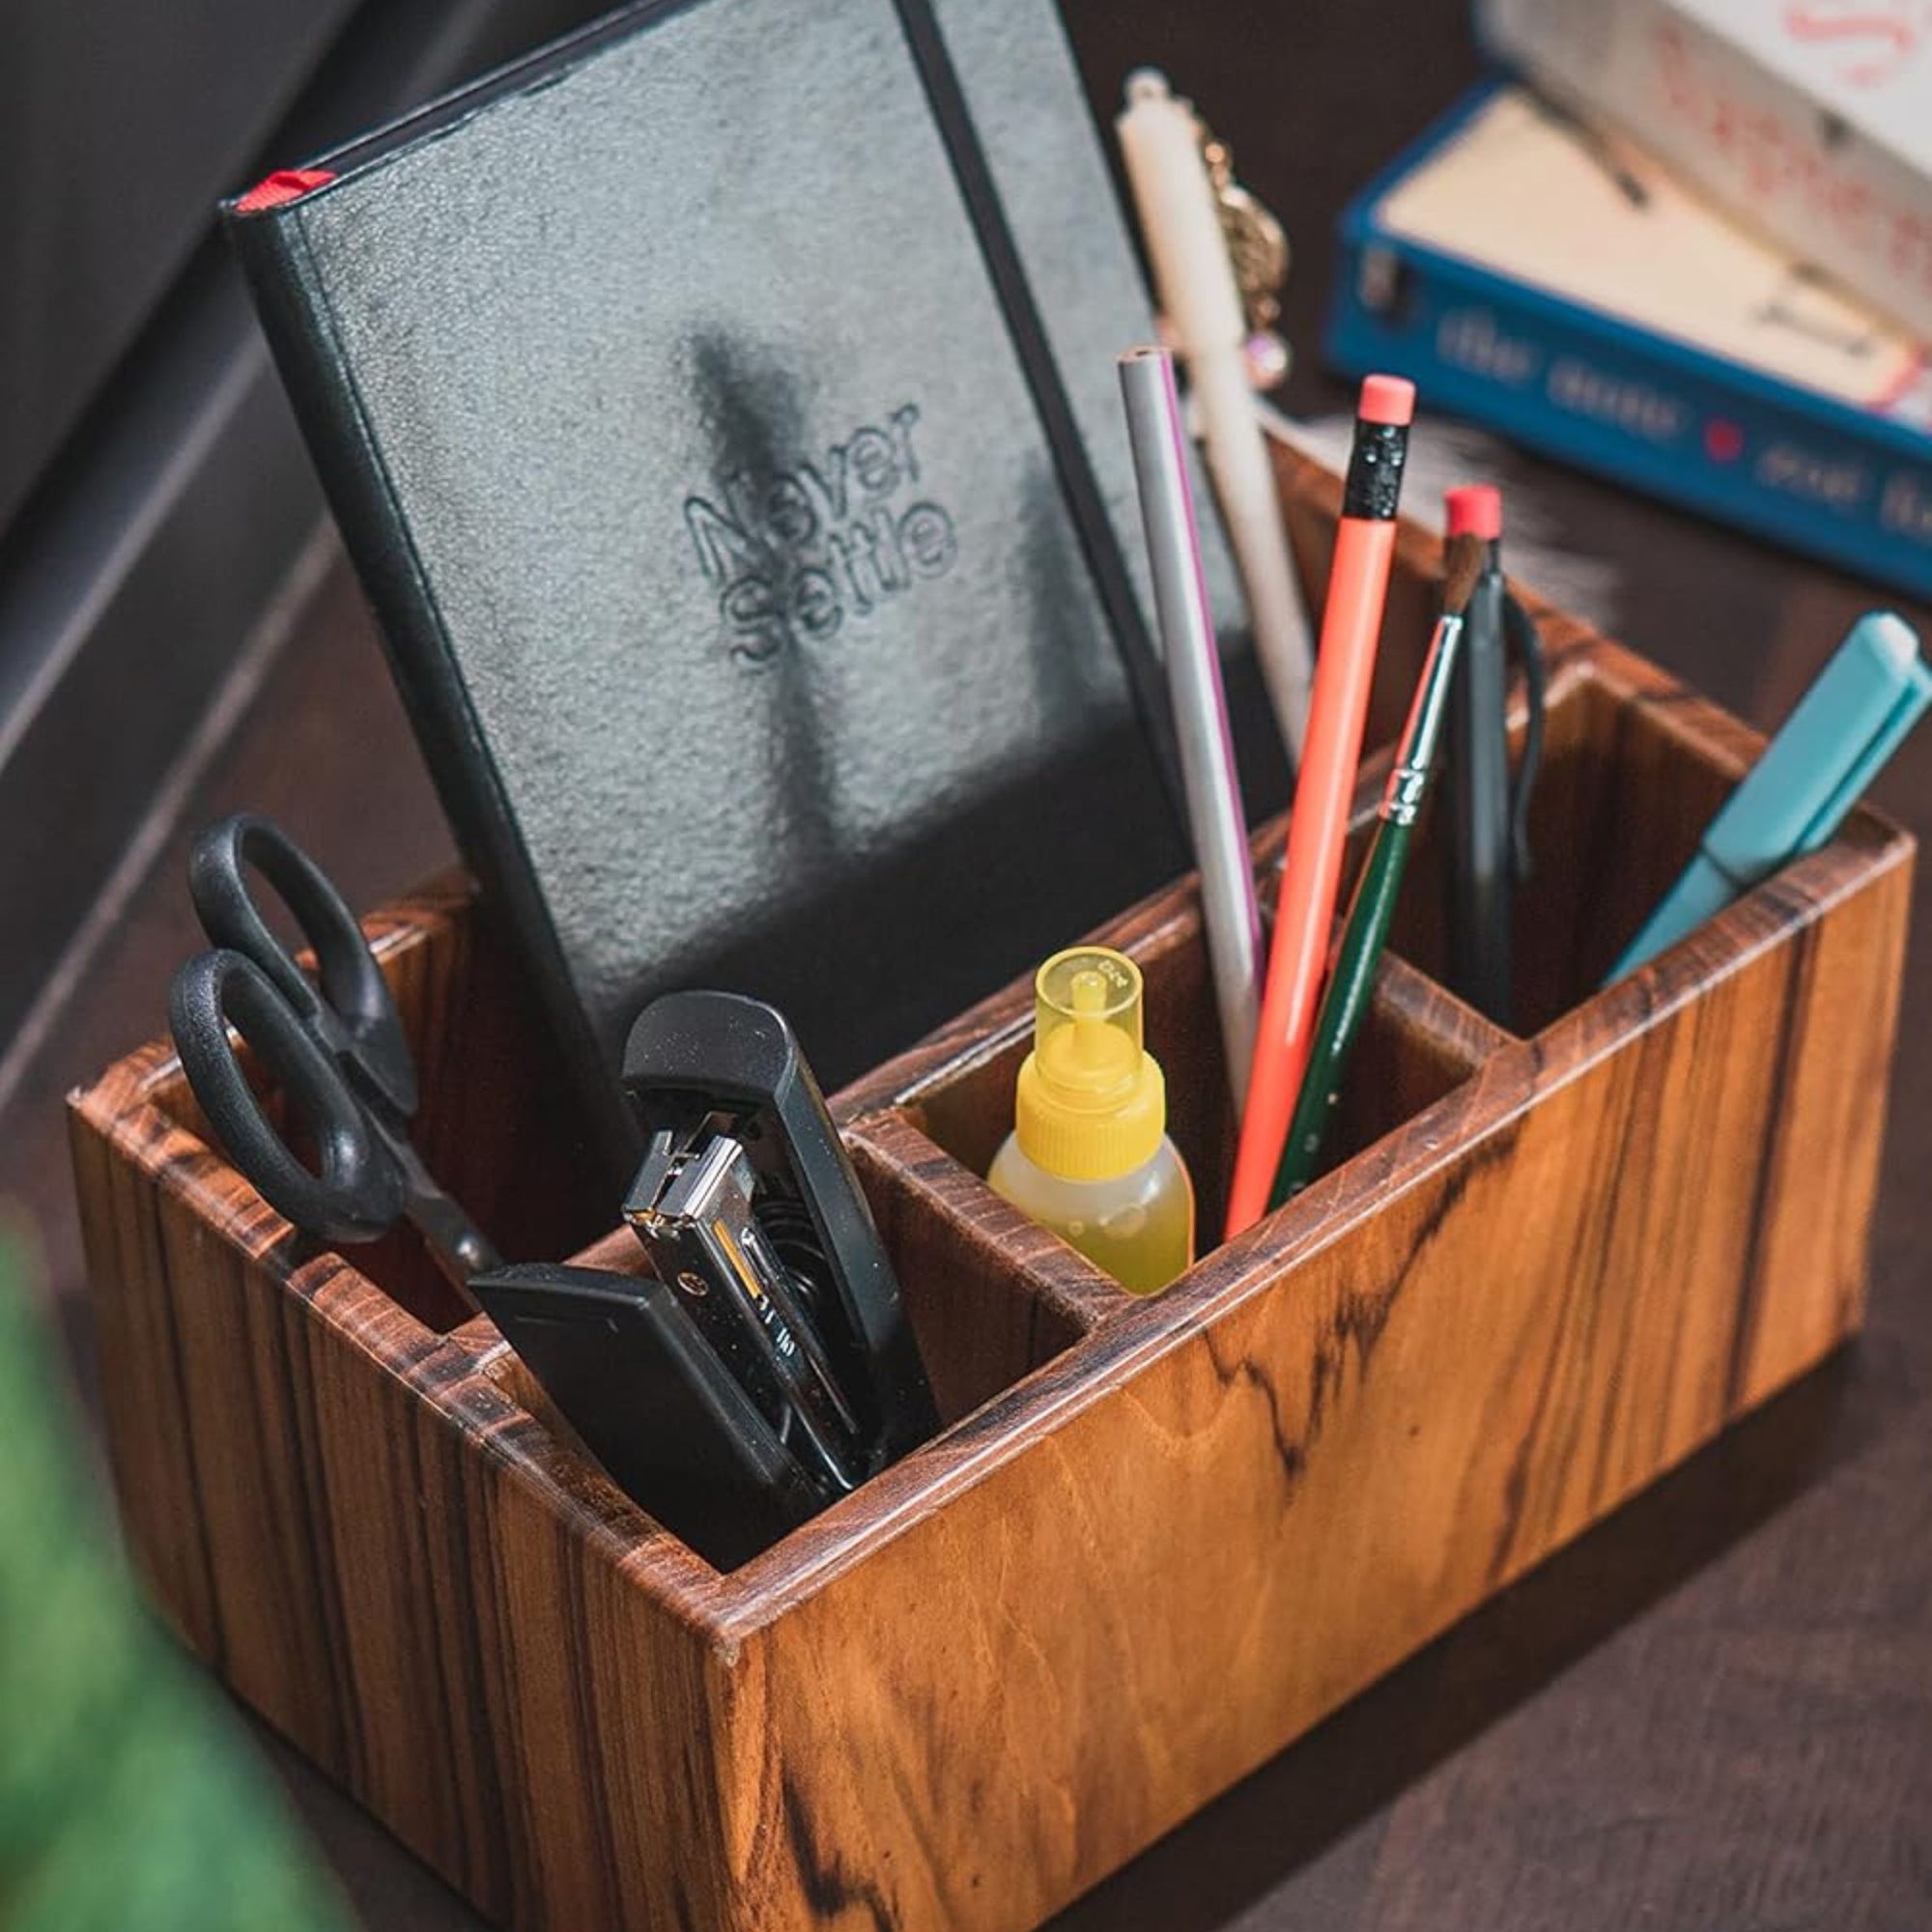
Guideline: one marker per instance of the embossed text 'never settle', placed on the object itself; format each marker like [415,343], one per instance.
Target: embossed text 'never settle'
[793,556]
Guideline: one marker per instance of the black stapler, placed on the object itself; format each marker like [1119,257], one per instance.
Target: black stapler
[747,1204]
[767,1366]
[652,1402]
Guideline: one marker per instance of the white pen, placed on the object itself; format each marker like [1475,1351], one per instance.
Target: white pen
[1215,820]
[1195,286]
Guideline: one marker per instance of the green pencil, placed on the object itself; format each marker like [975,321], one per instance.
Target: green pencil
[1365,933]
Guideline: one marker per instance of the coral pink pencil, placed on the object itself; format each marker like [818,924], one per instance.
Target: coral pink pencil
[1344,668]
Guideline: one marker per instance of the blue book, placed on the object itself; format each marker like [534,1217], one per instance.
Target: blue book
[1562,288]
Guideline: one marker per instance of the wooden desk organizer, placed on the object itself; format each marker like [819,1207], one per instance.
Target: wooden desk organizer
[1160,1539]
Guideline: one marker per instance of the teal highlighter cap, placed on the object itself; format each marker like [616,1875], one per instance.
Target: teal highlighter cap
[1894,646]
[1793,801]
[1825,755]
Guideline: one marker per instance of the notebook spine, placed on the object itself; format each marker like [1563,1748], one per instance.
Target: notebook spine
[1778,461]
[294,311]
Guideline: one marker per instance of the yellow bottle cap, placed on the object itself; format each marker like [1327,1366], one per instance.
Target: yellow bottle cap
[1092,1104]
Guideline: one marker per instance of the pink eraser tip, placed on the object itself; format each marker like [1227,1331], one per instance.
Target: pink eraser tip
[1475,511]
[1387,399]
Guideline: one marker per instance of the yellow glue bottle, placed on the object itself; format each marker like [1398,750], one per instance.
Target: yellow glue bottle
[1089,1156]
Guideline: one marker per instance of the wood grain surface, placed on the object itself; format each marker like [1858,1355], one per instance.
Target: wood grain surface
[1713,1709]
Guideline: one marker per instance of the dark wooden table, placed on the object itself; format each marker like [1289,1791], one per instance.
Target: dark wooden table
[1714,1710]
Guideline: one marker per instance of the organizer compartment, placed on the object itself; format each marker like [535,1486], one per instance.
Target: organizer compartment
[493,1124]
[1634,771]
[1416,1044]
[1631,778]
[983,1320]
[1158,1538]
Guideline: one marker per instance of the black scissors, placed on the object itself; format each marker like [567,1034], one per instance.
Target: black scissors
[333,1045]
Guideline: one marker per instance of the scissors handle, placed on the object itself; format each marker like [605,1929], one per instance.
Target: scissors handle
[353,1012]
[358,1192]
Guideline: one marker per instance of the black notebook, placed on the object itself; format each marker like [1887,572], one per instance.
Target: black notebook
[720,409]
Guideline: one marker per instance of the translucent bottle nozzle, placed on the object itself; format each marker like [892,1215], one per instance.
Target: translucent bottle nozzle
[1086,1027]
[1089,1154]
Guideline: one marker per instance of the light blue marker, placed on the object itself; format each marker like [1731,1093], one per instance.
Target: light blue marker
[1794,799]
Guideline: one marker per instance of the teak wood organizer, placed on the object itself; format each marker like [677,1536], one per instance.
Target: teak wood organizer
[1160,1539]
